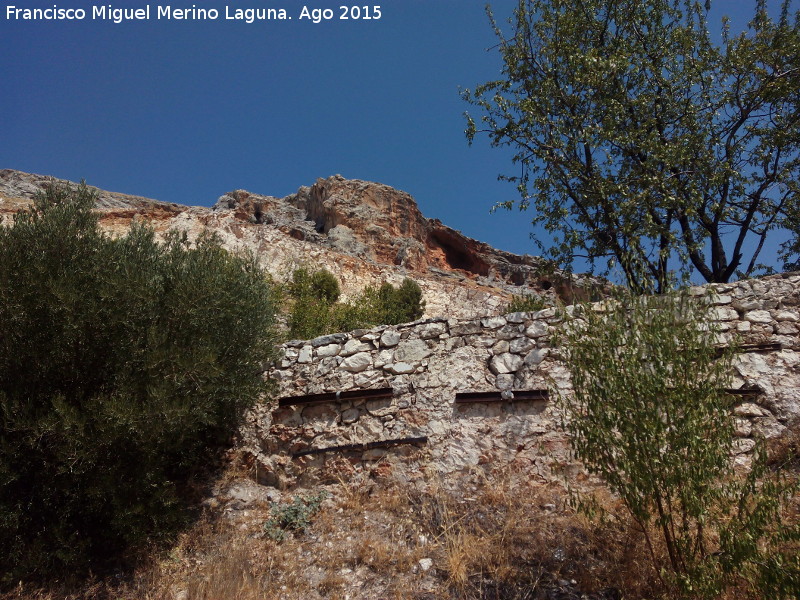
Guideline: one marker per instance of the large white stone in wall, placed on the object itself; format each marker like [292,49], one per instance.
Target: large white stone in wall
[758,316]
[505,363]
[431,330]
[536,329]
[412,351]
[536,356]
[357,362]
[353,346]
[328,350]
[305,355]
[520,345]
[786,315]
[723,313]
[400,368]
[493,322]
[368,379]
[390,338]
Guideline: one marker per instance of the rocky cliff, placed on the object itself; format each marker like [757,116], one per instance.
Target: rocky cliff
[365,233]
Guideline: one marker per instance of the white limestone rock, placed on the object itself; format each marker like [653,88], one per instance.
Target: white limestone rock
[390,338]
[432,330]
[521,345]
[368,379]
[505,363]
[536,329]
[786,315]
[412,351]
[357,362]
[758,316]
[353,346]
[536,356]
[400,368]
[509,332]
[723,313]
[493,322]
[350,415]
[329,350]
[501,347]
[304,356]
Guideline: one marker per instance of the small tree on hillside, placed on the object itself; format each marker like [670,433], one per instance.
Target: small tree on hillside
[313,295]
[649,415]
[402,304]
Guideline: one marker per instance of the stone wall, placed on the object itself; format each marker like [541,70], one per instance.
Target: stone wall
[454,395]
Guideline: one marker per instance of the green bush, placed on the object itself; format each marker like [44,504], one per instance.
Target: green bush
[400,305]
[321,285]
[313,295]
[315,310]
[649,415]
[295,516]
[124,364]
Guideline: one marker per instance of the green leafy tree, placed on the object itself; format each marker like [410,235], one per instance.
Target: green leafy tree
[643,143]
[125,364]
[321,284]
[649,415]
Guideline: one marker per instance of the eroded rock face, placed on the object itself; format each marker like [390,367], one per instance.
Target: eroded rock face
[364,233]
[386,226]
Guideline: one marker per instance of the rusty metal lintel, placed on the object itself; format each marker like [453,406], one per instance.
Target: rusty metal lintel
[753,347]
[761,347]
[519,395]
[742,392]
[336,396]
[362,447]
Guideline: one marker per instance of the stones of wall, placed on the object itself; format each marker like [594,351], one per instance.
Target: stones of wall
[427,363]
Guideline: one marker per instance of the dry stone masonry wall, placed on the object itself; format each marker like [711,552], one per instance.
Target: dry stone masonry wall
[455,395]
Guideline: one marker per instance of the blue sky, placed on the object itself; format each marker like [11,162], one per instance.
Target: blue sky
[184,111]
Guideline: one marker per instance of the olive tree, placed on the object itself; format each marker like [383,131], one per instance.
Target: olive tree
[643,143]
[125,367]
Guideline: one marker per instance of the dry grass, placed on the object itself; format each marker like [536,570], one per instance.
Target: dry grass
[502,538]
[507,538]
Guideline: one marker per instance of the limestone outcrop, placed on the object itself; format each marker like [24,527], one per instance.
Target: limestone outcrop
[365,233]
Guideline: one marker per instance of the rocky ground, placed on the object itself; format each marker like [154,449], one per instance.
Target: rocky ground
[412,537]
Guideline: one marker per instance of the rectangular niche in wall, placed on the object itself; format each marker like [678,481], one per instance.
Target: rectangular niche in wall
[518,396]
[362,447]
[336,397]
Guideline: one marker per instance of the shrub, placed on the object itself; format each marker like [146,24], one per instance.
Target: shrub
[295,516]
[309,317]
[315,310]
[525,303]
[649,415]
[123,364]
[313,295]
[321,285]
[400,305]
